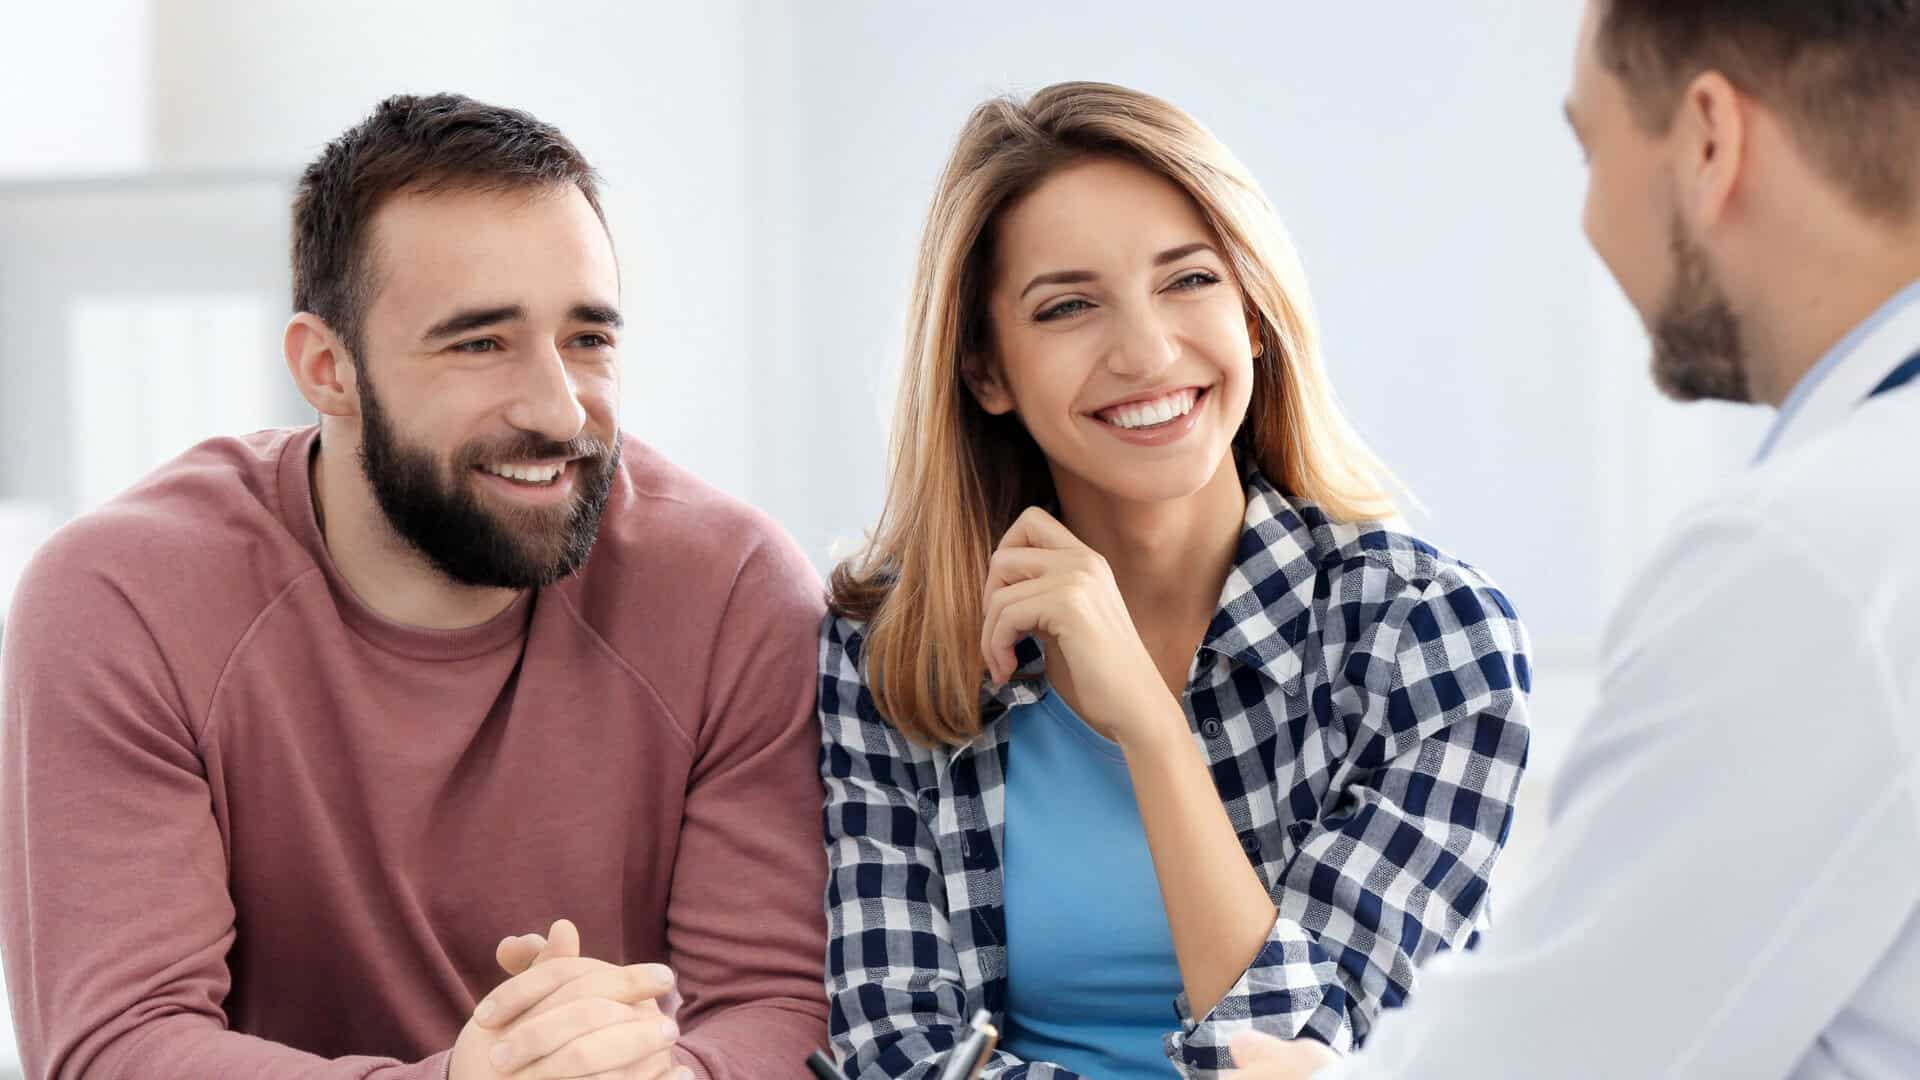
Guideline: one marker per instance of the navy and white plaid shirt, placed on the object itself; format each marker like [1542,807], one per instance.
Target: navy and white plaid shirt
[1360,698]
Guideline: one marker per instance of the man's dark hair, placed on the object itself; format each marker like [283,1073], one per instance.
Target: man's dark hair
[411,144]
[1843,74]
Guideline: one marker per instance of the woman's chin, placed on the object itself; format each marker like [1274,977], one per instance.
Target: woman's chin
[1149,482]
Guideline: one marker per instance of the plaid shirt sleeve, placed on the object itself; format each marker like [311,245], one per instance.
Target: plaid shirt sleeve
[898,1000]
[1430,697]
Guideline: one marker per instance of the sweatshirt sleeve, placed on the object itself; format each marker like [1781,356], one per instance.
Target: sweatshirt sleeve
[746,929]
[115,918]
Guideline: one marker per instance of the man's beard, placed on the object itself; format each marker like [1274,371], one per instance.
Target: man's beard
[439,514]
[1698,352]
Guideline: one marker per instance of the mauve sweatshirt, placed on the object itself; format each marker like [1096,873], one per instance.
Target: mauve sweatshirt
[249,828]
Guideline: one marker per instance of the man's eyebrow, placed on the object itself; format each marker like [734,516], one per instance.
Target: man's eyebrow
[604,314]
[461,322]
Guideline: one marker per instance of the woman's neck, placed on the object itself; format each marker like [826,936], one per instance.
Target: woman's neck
[1169,558]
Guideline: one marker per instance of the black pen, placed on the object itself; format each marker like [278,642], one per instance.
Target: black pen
[821,1068]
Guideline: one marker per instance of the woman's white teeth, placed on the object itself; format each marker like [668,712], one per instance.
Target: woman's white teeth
[527,474]
[1153,413]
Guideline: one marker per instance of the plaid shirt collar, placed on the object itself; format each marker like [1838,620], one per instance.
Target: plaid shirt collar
[1263,621]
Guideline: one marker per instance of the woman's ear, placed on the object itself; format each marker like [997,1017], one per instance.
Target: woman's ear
[1255,339]
[989,387]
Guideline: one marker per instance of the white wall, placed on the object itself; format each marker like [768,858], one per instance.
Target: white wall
[72,87]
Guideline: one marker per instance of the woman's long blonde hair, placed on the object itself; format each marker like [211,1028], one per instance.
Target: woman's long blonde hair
[958,477]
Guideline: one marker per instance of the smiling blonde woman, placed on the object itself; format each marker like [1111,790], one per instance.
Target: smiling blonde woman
[1141,730]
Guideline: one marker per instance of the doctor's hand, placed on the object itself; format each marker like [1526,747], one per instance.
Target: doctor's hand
[1263,1057]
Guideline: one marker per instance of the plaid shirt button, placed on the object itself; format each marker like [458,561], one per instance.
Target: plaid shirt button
[1210,727]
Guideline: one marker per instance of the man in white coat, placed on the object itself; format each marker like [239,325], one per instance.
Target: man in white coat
[1733,886]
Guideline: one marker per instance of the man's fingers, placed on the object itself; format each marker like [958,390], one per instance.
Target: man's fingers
[563,940]
[550,984]
[640,985]
[658,1067]
[522,992]
[531,1042]
[517,954]
[582,1038]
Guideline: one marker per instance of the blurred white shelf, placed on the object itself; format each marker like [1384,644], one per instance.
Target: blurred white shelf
[23,526]
[139,314]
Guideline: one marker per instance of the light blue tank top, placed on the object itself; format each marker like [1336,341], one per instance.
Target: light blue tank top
[1091,972]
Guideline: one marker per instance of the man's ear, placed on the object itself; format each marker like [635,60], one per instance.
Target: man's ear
[989,386]
[1711,137]
[321,365]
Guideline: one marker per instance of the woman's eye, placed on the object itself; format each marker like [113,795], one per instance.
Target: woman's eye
[1061,310]
[1195,280]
